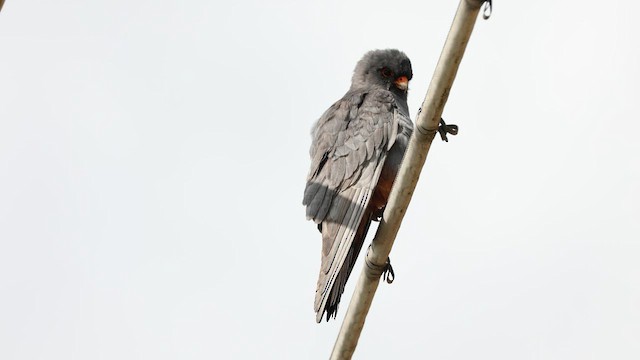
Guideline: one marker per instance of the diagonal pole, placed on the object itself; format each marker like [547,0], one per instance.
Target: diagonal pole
[407,178]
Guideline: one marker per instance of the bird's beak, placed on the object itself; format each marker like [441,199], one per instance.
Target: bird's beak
[402,83]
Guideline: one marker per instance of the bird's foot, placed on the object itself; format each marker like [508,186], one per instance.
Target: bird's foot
[445,129]
[377,215]
[387,274]
[374,270]
[486,13]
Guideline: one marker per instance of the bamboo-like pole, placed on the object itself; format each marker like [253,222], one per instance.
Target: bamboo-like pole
[407,178]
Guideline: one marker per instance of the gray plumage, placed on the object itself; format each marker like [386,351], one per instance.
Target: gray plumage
[357,146]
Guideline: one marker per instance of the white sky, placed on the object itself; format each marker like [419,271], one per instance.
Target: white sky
[153,157]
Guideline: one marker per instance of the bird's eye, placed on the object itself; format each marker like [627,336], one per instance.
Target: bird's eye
[386,72]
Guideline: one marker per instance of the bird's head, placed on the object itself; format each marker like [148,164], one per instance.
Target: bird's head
[389,69]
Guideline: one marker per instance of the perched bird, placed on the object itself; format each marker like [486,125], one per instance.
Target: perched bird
[356,150]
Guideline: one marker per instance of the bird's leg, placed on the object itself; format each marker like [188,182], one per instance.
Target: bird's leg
[386,270]
[377,215]
[445,129]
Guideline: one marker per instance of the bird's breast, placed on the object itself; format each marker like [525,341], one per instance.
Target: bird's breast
[392,164]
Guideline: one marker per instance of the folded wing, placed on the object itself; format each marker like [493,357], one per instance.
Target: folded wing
[349,148]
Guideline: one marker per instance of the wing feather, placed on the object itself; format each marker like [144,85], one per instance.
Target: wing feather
[349,148]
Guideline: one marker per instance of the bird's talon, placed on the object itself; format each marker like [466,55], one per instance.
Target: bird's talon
[377,216]
[387,274]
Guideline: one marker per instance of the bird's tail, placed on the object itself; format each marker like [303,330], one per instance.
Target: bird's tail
[329,305]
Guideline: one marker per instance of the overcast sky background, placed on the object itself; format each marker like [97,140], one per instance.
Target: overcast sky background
[153,156]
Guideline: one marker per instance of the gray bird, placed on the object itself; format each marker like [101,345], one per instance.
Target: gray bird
[356,150]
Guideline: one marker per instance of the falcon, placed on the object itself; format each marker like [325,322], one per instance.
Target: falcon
[356,150]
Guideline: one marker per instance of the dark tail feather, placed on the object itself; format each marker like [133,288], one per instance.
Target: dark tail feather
[335,294]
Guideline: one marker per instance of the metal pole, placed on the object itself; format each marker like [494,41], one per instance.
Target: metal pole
[405,183]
